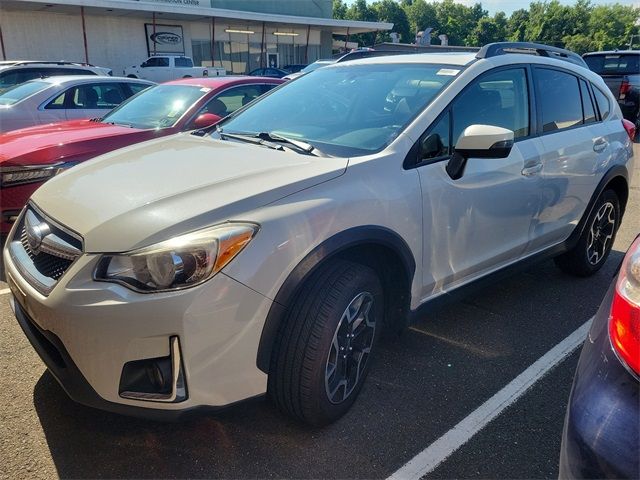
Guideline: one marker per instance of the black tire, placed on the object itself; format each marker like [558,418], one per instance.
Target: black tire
[131,76]
[589,254]
[187,76]
[309,337]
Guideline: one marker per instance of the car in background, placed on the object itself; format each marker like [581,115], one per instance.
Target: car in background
[268,72]
[56,99]
[293,68]
[30,156]
[309,68]
[620,70]
[14,72]
[601,437]
[163,68]
[343,57]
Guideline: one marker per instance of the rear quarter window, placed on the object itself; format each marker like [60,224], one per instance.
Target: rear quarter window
[602,100]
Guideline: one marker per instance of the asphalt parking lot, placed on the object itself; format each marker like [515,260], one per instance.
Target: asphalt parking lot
[420,386]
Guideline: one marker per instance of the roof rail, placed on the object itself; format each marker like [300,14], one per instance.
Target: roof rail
[50,62]
[500,48]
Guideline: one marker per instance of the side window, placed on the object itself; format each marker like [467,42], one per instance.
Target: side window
[19,75]
[156,62]
[587,104]
[560,100]
[500,99]
[136,88]
[436,142]
[604,106]
[57,103]
[89,96]
[232,99]
[183,62]
[266,87]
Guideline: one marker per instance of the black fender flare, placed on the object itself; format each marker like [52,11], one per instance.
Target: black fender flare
[611,174]
[366,234]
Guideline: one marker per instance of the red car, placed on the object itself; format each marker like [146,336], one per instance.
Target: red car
[30,156]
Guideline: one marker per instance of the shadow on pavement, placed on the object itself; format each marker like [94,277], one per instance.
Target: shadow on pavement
[420,385]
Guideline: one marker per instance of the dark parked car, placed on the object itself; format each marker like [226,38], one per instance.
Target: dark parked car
[268,72]
[601,433]
[294,68]
[621,72]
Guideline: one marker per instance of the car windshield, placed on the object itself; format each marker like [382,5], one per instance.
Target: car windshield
[156,107]
[345,110]
[614,64]
[22,91]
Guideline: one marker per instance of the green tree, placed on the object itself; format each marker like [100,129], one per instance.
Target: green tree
[489,30]
[390,11]
[339,9]
[421,15]
[517,25]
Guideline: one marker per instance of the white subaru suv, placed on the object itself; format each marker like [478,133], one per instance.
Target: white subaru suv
[268,254]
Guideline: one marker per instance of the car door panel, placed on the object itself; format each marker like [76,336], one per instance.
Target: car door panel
[483,220]
[479,222]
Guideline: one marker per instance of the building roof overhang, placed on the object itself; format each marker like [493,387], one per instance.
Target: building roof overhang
[189,12]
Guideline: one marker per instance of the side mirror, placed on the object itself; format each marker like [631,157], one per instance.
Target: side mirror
[206,120]
[479,141]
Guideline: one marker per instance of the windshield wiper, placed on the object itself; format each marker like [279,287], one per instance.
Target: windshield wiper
[129,125]
[250,139]
[276,137]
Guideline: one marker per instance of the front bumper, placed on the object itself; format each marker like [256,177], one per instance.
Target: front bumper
[601,433]
[85,331]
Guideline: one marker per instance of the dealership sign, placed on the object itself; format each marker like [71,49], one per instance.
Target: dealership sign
[164,39]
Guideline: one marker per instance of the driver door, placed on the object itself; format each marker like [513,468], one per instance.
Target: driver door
[483,220]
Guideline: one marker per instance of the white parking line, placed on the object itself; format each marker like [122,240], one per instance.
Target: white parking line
[436,453]
[4,291]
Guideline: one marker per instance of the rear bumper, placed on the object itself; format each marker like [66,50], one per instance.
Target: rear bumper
[601,432]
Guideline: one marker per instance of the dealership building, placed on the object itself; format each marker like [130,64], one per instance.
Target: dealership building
[238,35]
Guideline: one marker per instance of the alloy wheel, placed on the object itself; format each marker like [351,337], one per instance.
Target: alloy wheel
[601,233]
[350,348]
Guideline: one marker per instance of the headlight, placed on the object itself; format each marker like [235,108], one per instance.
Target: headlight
[177,263]
[12,176]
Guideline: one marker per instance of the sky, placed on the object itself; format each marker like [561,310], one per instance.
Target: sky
[509,6]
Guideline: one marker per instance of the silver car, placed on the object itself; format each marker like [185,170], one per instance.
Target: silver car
[57,99]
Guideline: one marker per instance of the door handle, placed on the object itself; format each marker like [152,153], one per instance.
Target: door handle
[599,145]
[531,170]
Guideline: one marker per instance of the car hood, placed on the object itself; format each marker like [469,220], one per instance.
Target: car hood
[153,191]
[64,141]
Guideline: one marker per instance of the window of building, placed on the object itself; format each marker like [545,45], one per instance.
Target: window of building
[560,100]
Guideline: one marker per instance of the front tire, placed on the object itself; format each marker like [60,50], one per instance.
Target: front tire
[595,243]
[323,351]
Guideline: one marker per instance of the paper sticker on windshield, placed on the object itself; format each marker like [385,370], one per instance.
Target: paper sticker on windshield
[452,72]
[205,89]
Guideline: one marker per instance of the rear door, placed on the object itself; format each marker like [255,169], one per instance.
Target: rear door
[572,148]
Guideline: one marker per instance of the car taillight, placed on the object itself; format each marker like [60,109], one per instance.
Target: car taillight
[624,89]
[630,128]
[624,320]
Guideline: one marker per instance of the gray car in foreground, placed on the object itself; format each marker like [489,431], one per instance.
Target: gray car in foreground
[56,99]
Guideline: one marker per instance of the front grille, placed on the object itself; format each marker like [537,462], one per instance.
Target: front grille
[42,250]
[47,264]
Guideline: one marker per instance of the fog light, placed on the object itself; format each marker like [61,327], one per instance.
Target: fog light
[155,379]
